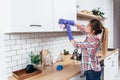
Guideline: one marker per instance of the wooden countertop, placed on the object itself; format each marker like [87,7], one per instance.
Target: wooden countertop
[108,54]
[69,70]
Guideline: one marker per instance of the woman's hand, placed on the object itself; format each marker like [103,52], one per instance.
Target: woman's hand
[69,33]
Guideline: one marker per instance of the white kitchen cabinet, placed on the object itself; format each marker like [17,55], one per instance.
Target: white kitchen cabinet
[28,15]
[111,66]
[65,9]
[108,68]
[115,59]
[36,15]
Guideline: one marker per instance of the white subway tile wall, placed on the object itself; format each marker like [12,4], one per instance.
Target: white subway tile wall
[19,45]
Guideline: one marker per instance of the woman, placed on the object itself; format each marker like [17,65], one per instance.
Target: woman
[89,63]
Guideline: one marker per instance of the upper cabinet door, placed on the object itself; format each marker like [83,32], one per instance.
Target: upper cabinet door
[64,9]
[30,15]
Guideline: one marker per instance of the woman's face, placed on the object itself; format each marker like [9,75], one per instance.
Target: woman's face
[88,29]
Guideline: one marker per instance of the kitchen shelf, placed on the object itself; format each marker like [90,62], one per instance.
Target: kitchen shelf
[88,16]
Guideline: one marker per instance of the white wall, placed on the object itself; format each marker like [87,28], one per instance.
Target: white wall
[88,4]
[3,72]
[105,6]
[108,9]
[3,75]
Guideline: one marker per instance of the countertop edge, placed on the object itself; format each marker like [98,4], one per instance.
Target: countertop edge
[107,55]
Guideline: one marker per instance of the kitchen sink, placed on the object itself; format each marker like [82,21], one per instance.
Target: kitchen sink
[110,49]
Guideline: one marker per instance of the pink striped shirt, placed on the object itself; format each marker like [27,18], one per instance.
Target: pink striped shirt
[89,48]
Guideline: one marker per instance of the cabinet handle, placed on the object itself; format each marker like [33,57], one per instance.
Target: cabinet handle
[35,25]
[116,53]
[109,58]
[112,63]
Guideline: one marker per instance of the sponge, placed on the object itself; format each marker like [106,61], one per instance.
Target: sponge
[59,67]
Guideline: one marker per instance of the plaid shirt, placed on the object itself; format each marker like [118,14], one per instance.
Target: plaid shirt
[89,48]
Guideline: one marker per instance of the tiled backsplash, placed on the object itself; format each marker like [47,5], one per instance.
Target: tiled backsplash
[19,45]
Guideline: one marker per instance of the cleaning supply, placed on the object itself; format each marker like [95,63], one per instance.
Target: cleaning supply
[69,33]
[64,21]
[59,67]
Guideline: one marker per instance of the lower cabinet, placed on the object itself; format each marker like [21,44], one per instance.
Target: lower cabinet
[116,62]
[35,15]
[108,69]
[111,66]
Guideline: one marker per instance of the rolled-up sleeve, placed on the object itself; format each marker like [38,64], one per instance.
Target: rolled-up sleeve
[82,29]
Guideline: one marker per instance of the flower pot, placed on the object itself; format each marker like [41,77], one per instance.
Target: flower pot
[66,58]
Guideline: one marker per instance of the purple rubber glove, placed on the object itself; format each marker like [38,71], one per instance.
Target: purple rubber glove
[69,33]
[63,21]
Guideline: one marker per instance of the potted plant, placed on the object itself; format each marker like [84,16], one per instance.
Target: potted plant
[35,59]
[66,55]
[97,12]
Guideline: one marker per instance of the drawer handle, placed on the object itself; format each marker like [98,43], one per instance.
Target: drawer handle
[109,58]
[112,63]
[116,53]
[35,25]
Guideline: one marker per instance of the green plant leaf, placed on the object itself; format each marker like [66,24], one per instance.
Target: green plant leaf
[35,58]
[98,12]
